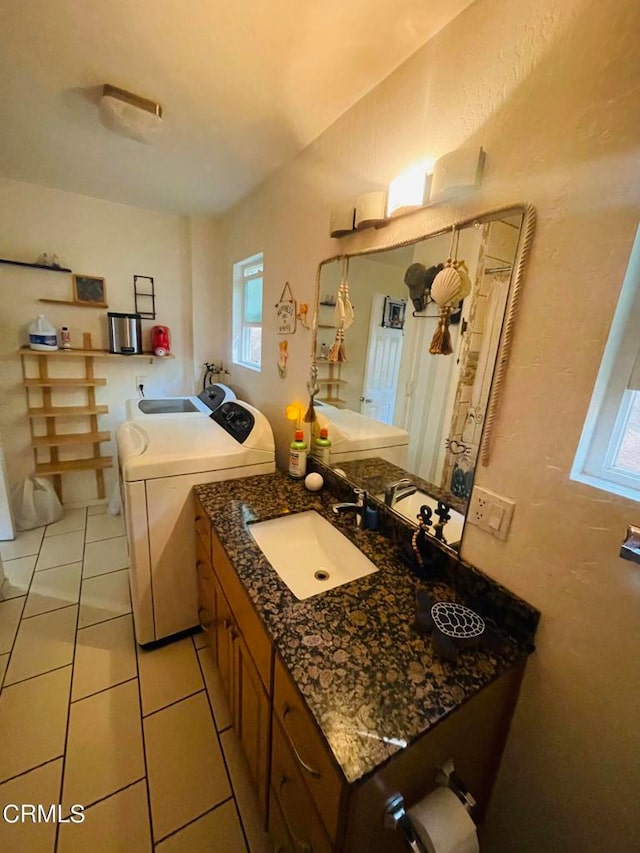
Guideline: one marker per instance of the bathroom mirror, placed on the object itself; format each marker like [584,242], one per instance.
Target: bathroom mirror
[394,410]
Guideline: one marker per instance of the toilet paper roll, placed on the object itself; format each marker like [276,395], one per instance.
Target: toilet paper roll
[443,824]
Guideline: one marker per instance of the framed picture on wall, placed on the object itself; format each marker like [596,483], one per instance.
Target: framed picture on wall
[393,313]
[90,290]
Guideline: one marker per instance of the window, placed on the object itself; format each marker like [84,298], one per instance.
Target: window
[247,312]
[608,455]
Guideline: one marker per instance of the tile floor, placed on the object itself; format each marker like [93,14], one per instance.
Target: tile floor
[141,739]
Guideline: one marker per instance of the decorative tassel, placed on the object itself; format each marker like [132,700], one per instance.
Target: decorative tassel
[310,415]
[441,342]
[337,353]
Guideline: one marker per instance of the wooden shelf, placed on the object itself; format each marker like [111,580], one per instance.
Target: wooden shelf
[67,439]
[51,442]
[33,266]
[85,382]
[326,326]
[332,382]
[92,464]
[67,411]
[91,353]
[75,304]
[334,401]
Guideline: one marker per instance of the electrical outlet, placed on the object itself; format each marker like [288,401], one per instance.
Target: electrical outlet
[141,381]
[490,512]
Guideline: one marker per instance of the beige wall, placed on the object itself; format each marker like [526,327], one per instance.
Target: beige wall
[551,91]
[103,239]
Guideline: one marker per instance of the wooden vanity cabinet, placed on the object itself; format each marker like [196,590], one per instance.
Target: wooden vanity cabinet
[242,652]
[308,805]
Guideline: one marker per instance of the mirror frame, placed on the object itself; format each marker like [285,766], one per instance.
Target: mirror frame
[522,255]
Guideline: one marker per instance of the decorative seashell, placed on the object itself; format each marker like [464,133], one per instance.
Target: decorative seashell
[463,272]
[448,287]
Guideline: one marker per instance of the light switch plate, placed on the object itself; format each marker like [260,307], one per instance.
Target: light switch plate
[490,512]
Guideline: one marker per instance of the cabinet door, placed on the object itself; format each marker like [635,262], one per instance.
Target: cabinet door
[251,718]
[298,808]
[282,842]
[308,749]
[206,592]
[225,632]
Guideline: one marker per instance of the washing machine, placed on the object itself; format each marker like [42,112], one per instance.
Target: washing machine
[207,401]
[160,460]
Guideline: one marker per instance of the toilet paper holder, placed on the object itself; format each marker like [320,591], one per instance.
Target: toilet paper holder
[396,817]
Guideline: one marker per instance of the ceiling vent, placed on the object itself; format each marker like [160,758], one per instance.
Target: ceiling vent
[129,114]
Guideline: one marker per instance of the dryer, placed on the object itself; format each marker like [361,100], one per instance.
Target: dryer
[160,460]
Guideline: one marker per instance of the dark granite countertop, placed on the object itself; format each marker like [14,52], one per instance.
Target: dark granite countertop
[372,683]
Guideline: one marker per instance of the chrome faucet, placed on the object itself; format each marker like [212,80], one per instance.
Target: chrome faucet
[397,491]
[357,507]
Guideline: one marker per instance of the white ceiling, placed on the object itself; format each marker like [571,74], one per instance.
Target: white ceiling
[244,85]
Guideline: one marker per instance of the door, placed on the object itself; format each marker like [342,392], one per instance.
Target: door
[384,351]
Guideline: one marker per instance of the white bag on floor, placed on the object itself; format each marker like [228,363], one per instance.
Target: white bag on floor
[35,503]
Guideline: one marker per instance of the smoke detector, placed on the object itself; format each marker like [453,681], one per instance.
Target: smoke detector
[129,114]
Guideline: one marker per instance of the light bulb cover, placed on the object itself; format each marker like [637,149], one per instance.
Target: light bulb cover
[129,114]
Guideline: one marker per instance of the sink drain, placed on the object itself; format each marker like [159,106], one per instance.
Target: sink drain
[321,575]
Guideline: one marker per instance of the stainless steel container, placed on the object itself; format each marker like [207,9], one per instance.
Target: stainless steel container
[125,333]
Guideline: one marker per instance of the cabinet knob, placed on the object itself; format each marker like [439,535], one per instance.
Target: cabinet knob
[366,400]
[205,619]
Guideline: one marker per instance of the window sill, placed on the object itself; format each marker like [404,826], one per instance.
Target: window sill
[606,486]
[248,366]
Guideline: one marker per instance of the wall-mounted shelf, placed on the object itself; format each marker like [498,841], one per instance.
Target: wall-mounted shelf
[75,304]
[332,381]
[33,266]
[52,440]
[94,463]
[63,383]
[67,411]
[333,401]
[93,353]
[70,438]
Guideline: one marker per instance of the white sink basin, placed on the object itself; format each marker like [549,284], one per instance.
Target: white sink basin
[309,554]
[410,507]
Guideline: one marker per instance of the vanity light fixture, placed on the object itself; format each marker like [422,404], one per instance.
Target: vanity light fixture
[456,172]
[371,210]
[342,220]
[418,187]
[410,190]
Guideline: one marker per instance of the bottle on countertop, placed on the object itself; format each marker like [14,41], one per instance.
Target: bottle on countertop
[42,335]
[322,447]
[298,456]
